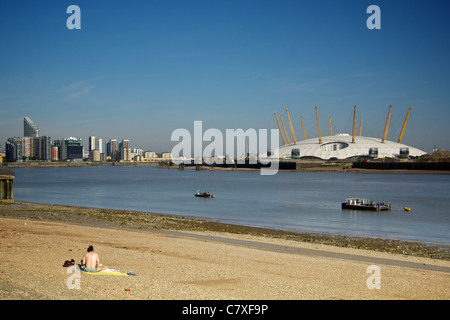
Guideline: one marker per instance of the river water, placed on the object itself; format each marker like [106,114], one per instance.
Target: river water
[295,201]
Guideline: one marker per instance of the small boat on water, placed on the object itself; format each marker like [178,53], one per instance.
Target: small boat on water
[364,204]
[407,208]
[202,194]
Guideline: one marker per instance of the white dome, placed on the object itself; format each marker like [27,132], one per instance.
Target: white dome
[340,146]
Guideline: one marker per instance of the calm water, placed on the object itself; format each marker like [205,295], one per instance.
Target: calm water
[292,201]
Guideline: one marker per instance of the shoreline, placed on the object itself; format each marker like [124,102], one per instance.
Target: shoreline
[187,259]
[343,167]
[138,220]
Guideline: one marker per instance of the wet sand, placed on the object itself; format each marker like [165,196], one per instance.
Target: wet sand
[176,258]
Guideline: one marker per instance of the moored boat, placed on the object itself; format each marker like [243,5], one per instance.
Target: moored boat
[364,204]
[202,194]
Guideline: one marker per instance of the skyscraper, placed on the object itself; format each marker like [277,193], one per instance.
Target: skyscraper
[92,143]
[111,149]
[30,129]
[74,149]
[99,145]
[124,144]
[95,144]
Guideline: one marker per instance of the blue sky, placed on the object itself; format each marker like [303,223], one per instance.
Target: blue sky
[138,70]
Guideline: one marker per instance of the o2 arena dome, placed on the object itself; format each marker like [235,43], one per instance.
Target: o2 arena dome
[343,146]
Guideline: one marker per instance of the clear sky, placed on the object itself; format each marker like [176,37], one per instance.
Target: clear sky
[138,70]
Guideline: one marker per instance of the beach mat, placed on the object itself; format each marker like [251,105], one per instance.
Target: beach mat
[107,273]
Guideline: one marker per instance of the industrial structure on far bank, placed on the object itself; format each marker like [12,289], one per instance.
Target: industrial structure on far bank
[343,146]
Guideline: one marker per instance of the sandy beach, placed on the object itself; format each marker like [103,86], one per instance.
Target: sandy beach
[187,264]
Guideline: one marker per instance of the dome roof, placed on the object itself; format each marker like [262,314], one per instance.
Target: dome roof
[340,146]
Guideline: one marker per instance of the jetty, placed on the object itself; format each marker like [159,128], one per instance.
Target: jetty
[6,185]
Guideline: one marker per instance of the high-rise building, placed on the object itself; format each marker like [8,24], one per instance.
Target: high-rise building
[74,149]
[13,149]
[30,129]
[69,149]
[111,149]
[95,144]
[92,143]
[124,144]
[28,148]
[41,148]
[99,145]
[125,154]
[94,155]
[54,153]
[58,143]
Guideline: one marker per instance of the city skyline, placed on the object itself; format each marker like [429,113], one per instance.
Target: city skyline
[140,71]
[32,146]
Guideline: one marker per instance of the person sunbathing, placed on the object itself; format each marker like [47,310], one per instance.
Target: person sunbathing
[91,261]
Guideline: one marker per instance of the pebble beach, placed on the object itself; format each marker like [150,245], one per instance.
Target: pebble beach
[176,258]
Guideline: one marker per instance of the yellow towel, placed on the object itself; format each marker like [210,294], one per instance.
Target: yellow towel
[107,273]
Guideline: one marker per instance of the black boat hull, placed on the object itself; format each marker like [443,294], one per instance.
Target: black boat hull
[373,207]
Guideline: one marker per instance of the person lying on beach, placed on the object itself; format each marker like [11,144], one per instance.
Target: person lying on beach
[91,261]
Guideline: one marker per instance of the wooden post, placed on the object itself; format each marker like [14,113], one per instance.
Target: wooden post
[2,189]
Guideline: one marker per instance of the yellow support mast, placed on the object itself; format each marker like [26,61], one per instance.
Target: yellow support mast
[303,127]
[331,128]
[354,125]
[285,131]
[279,128]
[387,125]
[404,126]
[292,128]
[318,126]
[360,126]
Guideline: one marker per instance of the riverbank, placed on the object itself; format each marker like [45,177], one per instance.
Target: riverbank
[154,221]
[184,259]
[286,166]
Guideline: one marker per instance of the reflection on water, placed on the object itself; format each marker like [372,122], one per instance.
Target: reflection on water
[299,201]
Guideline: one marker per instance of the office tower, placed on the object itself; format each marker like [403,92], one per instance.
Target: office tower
[92,143]
[124,144]
[94,155]
[74,149]
[30,129]
[40,148]
[54,153]
[28,149]
[58,143]
[125,154]
[13,149]
[111,149]
[99,145]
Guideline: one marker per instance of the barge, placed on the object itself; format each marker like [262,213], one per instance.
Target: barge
[365,204]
